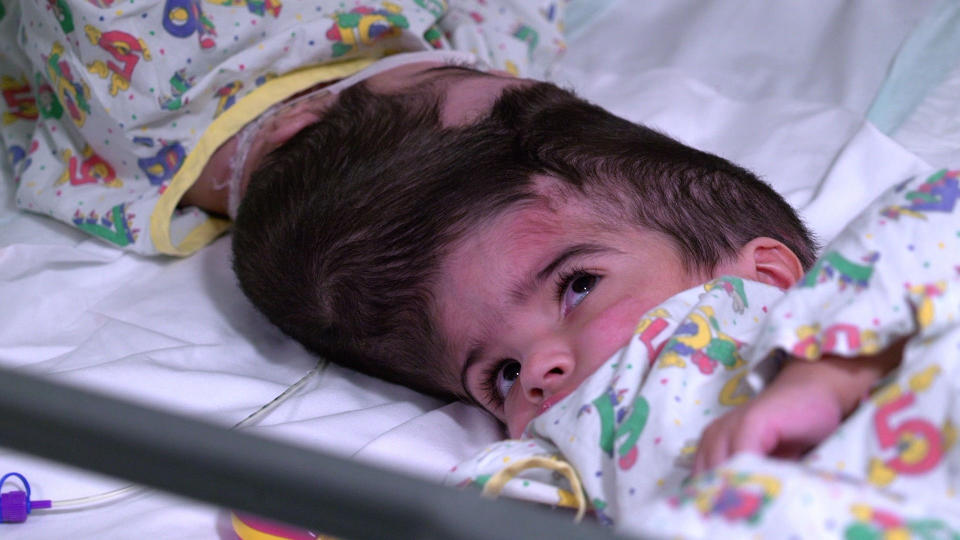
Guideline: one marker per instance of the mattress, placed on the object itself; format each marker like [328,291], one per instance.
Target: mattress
[778,87]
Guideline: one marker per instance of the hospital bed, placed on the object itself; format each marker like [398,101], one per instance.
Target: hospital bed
[830,103]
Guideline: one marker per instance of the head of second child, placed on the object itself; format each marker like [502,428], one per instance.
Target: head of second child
[499,262]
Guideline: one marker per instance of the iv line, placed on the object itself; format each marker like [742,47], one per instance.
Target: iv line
[133,488]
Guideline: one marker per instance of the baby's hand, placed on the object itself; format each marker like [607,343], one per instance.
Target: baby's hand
[802,406]
[785,420]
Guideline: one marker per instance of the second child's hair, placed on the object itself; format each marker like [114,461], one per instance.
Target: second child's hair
[342,230]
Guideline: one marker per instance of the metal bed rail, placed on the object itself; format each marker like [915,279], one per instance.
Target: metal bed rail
[253,474]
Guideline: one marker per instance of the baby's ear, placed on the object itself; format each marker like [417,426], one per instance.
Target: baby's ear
[768,261]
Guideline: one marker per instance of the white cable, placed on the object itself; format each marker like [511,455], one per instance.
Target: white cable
[285,395]
[92,500]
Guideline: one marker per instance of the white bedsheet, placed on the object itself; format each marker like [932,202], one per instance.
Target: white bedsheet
[781,88]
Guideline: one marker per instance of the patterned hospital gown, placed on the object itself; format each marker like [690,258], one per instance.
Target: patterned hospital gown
[111,108]
[891,471]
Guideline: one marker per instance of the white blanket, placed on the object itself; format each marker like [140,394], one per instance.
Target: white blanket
[779,88]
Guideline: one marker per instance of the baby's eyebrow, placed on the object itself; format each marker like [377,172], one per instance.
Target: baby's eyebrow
[526,286]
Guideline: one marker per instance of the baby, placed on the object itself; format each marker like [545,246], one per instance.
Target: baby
[506,265]
[354,253]
[618,434]
[535,301]
[470,277]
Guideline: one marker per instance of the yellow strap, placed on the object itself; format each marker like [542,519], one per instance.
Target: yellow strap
[246,532]
[220,130]
[498,481]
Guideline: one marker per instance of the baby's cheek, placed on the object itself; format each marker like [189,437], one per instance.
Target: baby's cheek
[611,329]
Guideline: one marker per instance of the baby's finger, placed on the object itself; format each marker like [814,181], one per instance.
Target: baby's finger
[747,439]
[717,450]
[700,459]
[755,436]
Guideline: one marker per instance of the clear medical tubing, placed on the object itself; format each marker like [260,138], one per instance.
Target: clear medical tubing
[253,474]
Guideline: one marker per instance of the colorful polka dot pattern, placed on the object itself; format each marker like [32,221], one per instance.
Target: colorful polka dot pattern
[103,100]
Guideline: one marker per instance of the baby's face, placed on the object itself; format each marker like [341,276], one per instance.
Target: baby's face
[541,296]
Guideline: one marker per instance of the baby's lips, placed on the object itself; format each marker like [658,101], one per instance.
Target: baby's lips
[544,406]
[550,402]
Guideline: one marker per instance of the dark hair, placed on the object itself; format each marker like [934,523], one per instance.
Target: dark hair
[342,230]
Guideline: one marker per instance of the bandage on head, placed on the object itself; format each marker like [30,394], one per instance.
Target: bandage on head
[246,136]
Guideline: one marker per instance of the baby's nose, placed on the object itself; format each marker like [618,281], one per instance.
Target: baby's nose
[546,372]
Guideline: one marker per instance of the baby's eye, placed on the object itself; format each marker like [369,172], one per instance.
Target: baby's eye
[575,288]
[507,374]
